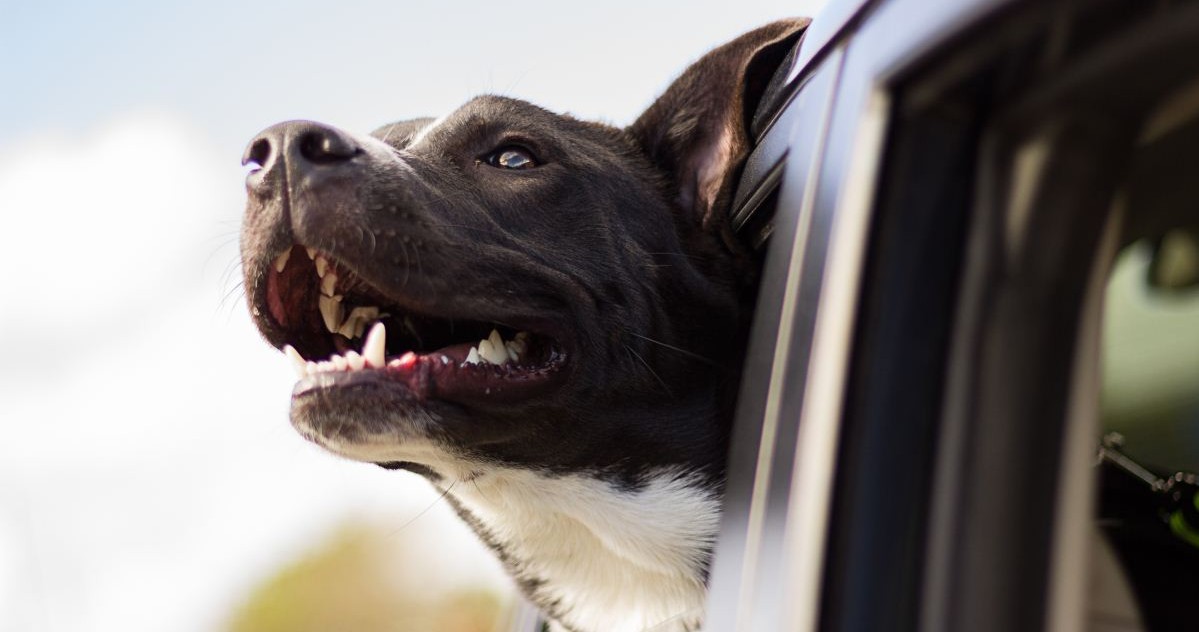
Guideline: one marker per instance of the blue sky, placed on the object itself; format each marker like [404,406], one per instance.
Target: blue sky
[233,67]
[148,474]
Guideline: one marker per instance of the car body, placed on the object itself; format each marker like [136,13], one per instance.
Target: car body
[940,191]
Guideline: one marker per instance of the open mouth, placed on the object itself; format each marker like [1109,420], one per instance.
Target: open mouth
[338,329]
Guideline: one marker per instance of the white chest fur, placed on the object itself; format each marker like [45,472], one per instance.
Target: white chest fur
[611,560]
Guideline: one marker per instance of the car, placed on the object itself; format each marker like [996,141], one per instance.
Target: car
[979,226]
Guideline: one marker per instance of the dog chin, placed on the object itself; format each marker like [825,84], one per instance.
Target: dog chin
[362,421]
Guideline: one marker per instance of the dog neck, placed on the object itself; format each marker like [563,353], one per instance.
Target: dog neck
[597,555]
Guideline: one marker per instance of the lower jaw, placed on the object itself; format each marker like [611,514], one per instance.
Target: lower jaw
[438,376]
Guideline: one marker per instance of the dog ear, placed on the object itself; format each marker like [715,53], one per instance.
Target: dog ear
[697,132]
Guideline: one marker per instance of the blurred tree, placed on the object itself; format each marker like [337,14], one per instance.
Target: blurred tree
[355,582]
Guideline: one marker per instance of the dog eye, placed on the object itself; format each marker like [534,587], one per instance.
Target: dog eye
[512,158]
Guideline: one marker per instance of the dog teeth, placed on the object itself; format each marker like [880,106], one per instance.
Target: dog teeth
[281,260]
[350,362]
[311,253]
[517,346]
[332,312]
[328,283]
[495,350]
[356,362]
[355,324]
[297,360]
[492,349]
[472,357]
[375,348]
[487,352]
[322,266]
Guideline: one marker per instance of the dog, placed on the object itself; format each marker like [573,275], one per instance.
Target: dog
[543,316]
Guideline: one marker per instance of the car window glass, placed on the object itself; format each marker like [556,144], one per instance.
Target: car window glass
[1151,350]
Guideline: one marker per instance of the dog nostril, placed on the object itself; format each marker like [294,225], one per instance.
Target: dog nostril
[257,155]
[325,146]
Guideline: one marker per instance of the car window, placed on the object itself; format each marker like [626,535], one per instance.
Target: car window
[1151,350]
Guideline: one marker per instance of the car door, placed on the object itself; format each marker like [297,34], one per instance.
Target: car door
[923,400]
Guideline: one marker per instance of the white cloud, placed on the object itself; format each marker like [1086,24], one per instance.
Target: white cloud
[89,218]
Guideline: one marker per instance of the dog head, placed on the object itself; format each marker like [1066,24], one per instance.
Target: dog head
[506,285]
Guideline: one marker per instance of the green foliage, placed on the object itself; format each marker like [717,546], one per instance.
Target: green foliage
[354,582]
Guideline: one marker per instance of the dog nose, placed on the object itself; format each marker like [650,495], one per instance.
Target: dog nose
[301,146]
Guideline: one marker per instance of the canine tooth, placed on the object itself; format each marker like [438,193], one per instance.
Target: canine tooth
[311,253]
[356,362]
[322,266]
[297,360]
[332,311]
[472,357]
[375,347]
[281,260]
[496,339]
[328,283]
[491,353]
[355,324]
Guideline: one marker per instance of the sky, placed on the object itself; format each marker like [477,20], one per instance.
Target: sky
[148,474]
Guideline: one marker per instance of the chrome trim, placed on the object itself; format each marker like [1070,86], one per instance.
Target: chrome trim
[1070,550]
[751,498]
[820,420]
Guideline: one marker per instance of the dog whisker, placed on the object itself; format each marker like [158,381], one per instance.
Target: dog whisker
[233,230]
[230,268]
[665,386]
[216,249]
[238,288]
[675,254]
[690,354]
[426,510]
[692,612]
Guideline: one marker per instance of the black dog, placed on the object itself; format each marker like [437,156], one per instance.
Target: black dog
[543,316]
